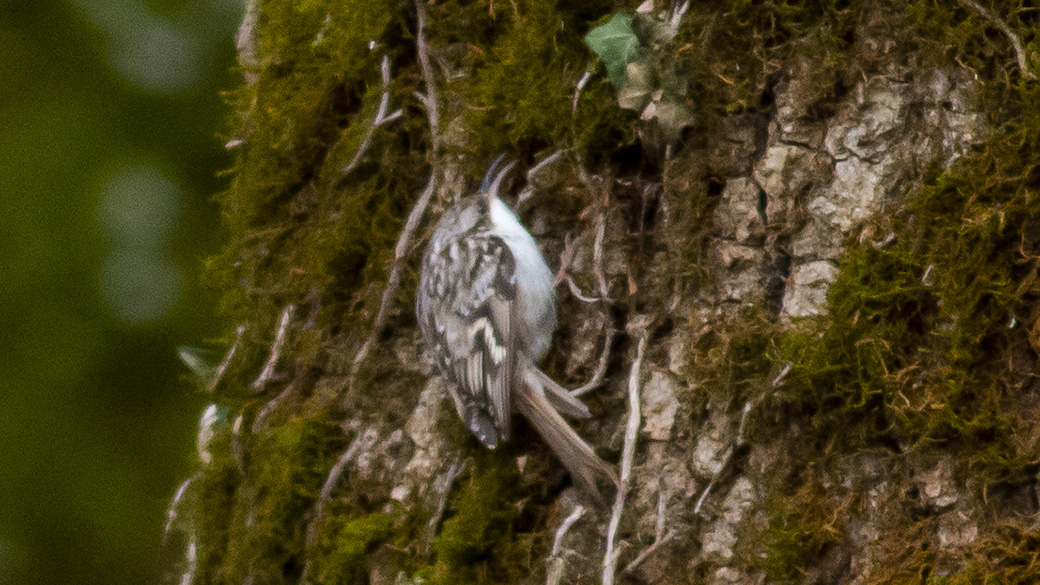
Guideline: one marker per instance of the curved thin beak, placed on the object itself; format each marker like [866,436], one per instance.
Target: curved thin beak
[494,177]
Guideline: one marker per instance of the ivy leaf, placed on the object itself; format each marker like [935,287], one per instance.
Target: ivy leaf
[616,45]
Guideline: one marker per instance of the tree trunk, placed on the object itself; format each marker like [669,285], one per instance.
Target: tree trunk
[809,291]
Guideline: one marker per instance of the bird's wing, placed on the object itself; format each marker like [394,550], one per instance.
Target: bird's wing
[475,327]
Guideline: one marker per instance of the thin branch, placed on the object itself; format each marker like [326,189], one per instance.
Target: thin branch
[737,443]
[577,90]
[267,374]
[432,110]
[665,539]
[573,286]
[380,119]
[237,449]
[927,272]
[171,511]
[678,13]
[245,44]
[660,536]
[555,562]
[567,256]
[739,440]
[532,175]
[570,250]
[601,279]
[360,442]
[779,379]
[597,250]
[1016,43]
[417,212]
[225,363]
[565,526]
[272,404]
[628,452]
[604,361]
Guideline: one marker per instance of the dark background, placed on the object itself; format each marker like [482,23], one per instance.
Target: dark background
[111,134]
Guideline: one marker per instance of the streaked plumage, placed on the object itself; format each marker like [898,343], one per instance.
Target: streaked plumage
[486,306]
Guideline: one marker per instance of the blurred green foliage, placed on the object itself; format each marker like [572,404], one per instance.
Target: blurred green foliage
[97,427]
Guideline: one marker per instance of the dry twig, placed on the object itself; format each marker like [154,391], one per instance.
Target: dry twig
[662,513]
[528,191]
[577,90]
[660,536]
[737,443]
[225,363]
[1016,43]
[405,238]
[261,416]
[628,452]
[171,511]
[601,279]
[237,448]
[555,563]
[360,443]
[665,539]
[191,559]
[381,118]
[267,374]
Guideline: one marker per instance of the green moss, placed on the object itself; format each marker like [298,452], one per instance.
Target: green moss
[314,63]
[294,229]
[346,561]
[214,498]
[799,527]
[526,60]
[288,465]
[476,544]
[953,33]
[736,358]
[732,48]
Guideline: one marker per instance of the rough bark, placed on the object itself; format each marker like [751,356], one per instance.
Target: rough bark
[822,296]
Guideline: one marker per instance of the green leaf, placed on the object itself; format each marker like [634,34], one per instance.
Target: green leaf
[616,45]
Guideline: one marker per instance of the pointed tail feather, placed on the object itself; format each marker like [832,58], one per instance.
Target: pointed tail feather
[558,396]
[575,454]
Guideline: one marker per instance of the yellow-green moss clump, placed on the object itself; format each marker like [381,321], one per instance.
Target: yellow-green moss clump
[929,347]
[735,47]
[346,562]
[477,544]
[929,344]
[921,341]
[287,467]
[300,229]
[524,61]
[799,527]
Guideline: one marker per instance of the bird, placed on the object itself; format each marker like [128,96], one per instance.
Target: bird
[486,306]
